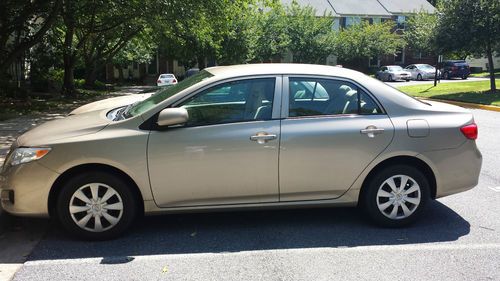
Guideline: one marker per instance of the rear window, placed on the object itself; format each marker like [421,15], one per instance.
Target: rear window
[167,76]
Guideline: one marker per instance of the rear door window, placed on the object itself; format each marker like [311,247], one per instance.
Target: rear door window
[314,97]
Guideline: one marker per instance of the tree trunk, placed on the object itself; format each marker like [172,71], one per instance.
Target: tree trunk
[493,86]
[68,87]
[120,73]
[90,75]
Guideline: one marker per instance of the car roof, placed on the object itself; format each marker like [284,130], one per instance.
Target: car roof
[281,68]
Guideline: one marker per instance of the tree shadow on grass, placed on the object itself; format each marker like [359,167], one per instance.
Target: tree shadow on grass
[255,230]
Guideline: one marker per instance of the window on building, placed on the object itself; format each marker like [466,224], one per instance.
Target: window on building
[401,20]
[376,20]
[349,21]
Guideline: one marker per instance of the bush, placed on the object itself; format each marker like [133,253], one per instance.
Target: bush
[50,81]
[79,83]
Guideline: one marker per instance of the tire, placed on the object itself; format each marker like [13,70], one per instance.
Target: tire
[378,206]
[464,77]
[114,221]
[390,78]
[419,77]
[446,76]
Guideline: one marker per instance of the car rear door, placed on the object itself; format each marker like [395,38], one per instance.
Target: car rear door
[327,142]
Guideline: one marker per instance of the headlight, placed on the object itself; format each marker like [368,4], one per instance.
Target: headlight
[26,154]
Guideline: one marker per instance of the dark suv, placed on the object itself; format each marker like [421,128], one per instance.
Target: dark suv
[455,68]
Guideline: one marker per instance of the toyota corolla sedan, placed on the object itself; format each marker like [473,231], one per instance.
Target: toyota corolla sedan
[422,71]
[393,73]
[167,79]
[245,137]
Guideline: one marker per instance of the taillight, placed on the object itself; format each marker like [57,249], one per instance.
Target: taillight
[470,131]
[159,81]
[174,81]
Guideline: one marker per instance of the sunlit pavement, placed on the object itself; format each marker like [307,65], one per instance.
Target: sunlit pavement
[397,84]
[457,239]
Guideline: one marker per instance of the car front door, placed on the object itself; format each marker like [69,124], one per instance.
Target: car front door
[326,142]
[227,153]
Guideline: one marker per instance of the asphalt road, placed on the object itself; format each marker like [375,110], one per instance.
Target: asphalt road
[457,239]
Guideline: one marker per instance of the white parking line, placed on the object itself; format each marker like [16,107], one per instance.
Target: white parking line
[494,188]
[412,247]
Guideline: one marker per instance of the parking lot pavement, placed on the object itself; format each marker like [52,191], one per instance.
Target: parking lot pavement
[397,84]
[457,239]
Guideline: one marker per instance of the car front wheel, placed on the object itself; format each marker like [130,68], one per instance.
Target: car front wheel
[396,196]
[96,206]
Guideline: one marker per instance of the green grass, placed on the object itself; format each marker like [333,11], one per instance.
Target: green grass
[473,92]
[486,74]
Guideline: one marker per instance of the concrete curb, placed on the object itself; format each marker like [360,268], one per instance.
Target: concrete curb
[468,105]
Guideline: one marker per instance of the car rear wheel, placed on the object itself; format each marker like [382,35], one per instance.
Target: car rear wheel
[396,196]
[96,206]
[390,78]
[419,77]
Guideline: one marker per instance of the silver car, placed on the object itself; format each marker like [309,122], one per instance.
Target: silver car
[393,73]
[245,137]
[422,71]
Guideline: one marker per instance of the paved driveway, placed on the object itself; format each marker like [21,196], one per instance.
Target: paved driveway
[457,240]
[413,82]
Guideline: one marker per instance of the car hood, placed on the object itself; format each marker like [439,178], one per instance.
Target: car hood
[71,126]
[110,103]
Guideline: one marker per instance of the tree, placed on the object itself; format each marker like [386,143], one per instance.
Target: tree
[311,38]
[96,30]
[471,26]
[366,40]
[271,38]
[23,23]
[139,50]
[420,32]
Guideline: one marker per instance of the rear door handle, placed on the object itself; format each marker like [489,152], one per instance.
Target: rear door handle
[371,131]
[263,137]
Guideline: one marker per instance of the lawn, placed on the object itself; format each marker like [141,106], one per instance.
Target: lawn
[486,74]
[474,92]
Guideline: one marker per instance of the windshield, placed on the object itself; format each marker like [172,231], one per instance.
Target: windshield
[426,67]
[395,68]
[145,105]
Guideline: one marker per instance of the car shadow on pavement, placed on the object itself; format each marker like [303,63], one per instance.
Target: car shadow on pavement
[254,230]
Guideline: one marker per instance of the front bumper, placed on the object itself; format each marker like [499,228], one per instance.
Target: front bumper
[24,189]
[456,170]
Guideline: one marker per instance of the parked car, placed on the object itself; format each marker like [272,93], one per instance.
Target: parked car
[422,71]
[455,68]
[245,136]
[167,79]
[392,73]
[192,71]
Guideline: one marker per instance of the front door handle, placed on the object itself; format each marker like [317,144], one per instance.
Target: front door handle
[371,131]
[262,137]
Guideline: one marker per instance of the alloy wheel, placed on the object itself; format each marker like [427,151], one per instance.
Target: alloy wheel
[398,197]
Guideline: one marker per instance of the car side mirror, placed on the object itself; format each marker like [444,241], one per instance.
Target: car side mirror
[172,116]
